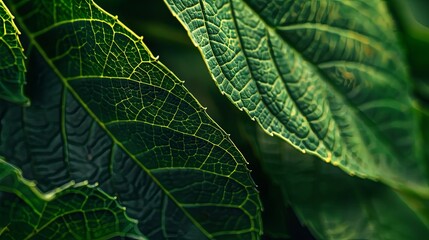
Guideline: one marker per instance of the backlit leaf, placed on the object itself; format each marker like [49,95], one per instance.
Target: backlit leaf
[106,111]
[12,67]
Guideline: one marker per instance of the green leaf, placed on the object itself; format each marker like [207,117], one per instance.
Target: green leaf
[74,212]
[12,66]
[106,111]
[334,205]
[326,76]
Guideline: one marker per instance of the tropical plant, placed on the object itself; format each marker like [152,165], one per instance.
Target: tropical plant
[99,139]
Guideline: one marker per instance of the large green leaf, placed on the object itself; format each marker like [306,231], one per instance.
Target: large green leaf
[80,211]
[334,205]
[104,110]
[12,67]
[326,76]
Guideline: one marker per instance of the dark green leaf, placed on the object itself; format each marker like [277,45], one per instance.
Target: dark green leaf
[334,205]
[326,76]
[106,111]
[78,212]
[12,67]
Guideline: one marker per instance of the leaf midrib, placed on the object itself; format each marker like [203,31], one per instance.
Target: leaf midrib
[88,110]
[367,122]
[284,82]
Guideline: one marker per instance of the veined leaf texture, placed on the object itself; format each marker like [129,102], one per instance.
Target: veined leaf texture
[104,110]
[78,211]
[114,145]
[327,76]
[12,67]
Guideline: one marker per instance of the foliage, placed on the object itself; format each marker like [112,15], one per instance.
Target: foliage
[101,140]
[28,213]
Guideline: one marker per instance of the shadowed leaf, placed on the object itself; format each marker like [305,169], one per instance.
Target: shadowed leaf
[334,205]
[12,67]
[106,111]
[74,212]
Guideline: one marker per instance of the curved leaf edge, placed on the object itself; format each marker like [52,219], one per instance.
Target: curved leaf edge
[397,184]
[413,204]
[258,218]
[10,169]
[19,96]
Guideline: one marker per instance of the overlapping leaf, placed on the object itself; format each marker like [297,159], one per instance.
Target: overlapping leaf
[106,111]
[76,212]
[12,67]
[334,205]
[326,76]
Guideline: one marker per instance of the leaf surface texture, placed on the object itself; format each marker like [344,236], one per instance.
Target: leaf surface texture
[326,76]
[12,66]
[106,111]
[81,212]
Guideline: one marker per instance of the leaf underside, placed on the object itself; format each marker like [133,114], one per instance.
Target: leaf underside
[104,110]
[326,76]
[12,66]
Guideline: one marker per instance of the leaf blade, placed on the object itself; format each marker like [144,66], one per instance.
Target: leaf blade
[28,213]
[333,204]
[311,74]
[12,71]
[157,135]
